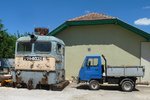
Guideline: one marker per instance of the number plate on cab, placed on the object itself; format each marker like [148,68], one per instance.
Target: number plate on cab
[33,58]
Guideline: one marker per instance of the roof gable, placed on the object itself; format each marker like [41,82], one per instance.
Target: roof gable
[92,16]
[110,20]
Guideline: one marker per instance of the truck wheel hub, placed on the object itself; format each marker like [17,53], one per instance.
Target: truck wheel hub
[127,86]
[94,86]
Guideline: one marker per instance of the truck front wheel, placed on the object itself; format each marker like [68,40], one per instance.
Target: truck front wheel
[127,86]
[94,85]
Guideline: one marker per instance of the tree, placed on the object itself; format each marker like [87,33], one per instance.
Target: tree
[7,43]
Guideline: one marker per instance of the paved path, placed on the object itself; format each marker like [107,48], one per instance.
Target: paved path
[73,92]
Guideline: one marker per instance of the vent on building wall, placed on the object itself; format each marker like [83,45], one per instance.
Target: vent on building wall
[89,49]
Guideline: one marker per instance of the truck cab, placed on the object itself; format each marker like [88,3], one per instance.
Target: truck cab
[91,68]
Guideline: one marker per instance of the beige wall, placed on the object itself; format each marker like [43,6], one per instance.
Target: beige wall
[120,46]
[145,59]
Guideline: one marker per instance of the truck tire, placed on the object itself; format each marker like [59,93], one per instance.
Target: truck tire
[94,85]
[127,86]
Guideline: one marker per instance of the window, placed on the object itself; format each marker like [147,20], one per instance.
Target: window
[24,47]
[60,49]
[42,47]
[93,62]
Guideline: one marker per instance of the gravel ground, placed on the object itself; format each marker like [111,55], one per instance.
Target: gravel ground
[75,92]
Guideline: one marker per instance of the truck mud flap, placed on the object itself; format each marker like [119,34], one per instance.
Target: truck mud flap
[60,86]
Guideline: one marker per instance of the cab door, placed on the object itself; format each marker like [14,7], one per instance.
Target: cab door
[93,68]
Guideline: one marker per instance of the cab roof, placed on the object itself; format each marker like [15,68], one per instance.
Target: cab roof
[94,55]
[40,38]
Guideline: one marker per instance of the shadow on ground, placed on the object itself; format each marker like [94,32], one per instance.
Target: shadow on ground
[110,88]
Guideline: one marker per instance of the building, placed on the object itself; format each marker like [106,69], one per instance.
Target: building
[93,33]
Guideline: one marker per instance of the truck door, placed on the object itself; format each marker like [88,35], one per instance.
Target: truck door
[93,68]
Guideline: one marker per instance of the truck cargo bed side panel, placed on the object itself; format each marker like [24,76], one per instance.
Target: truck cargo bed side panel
[129,71]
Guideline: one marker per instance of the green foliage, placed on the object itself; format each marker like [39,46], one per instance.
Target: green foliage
[18,35]
[7,43]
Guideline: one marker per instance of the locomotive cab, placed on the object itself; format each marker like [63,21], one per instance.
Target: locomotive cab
[39,60]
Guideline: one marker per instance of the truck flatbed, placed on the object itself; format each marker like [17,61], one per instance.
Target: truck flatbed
[130,71]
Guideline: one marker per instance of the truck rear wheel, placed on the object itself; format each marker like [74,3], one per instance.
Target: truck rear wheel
[94,85]
[127,86]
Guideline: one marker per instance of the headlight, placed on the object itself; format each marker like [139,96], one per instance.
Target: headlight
[45,74]
[18,73]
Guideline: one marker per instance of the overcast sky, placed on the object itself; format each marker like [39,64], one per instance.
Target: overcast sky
[24,15]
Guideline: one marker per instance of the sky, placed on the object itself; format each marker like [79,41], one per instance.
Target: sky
[24,15]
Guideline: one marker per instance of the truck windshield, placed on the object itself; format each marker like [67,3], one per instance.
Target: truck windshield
[24,47]
[42,47]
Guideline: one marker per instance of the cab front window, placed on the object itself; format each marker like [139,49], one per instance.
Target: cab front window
[24,47]
[42,47]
